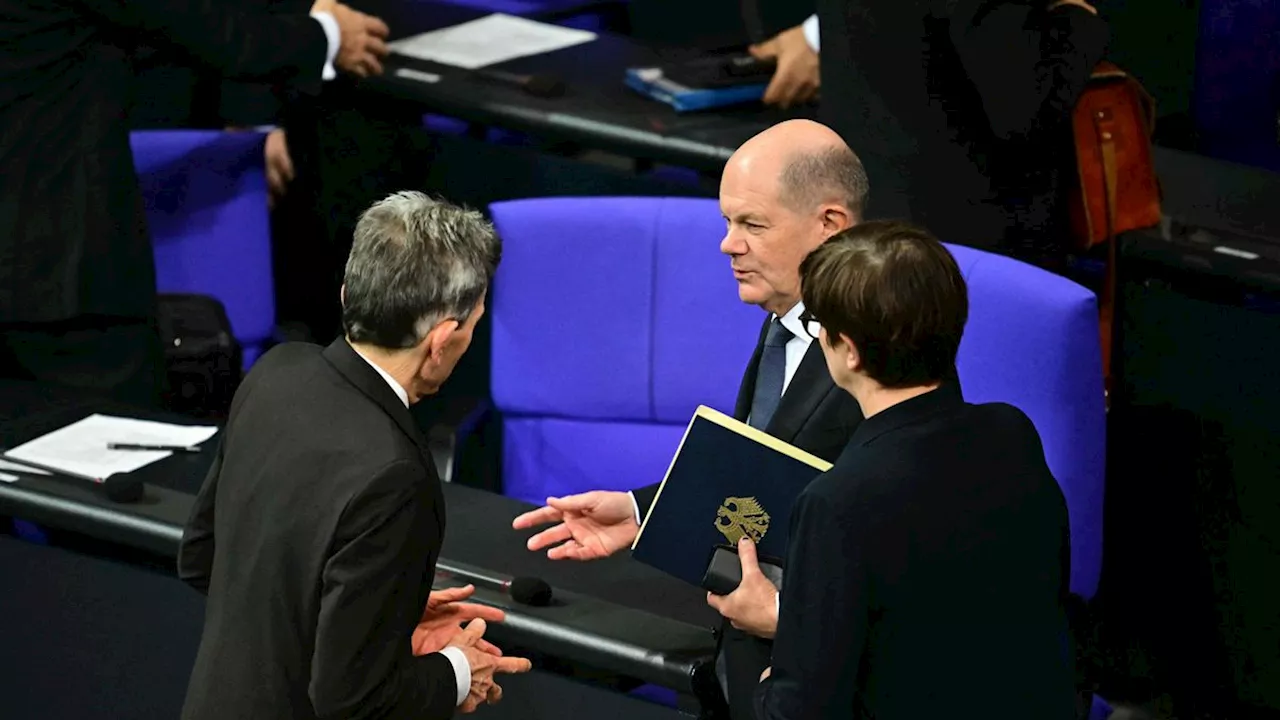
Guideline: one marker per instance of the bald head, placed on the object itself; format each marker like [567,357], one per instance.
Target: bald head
[810,163]
[783,193]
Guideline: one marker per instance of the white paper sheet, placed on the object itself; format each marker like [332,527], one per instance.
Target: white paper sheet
[81,447]
[15,467]
[489,40]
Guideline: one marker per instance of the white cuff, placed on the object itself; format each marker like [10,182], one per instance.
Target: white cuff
[777,603]
[461,671]
[635,505]
[811,33]
[334,36]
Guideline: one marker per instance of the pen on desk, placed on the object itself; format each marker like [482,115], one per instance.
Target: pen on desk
[156,448]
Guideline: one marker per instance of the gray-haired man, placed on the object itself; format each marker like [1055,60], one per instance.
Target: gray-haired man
[317,531]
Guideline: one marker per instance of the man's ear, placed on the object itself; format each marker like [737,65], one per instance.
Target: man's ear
[835,218]
[437,337]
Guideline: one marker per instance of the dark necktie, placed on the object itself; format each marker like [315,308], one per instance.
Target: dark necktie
[769,376]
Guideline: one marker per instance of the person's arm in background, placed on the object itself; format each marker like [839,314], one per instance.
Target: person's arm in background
[298,49]
[1062,42]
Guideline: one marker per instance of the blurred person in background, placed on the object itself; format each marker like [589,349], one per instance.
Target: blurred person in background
[959,109]
[77,277]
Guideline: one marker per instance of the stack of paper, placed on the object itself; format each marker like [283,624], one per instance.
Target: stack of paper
[490,40]
[14,467]
[81,447]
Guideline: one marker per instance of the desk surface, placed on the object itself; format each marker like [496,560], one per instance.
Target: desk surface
[616,614]
[597,110]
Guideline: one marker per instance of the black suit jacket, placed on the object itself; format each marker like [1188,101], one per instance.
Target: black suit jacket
[927,573]
[74,239]
[958,110]
[316,536]
[813,415]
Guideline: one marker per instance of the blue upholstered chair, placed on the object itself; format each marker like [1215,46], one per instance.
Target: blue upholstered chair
[613,318]
[205,194]
[1032,341]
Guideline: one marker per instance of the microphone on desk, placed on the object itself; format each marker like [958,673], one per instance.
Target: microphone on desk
[543,86]
[118,488]
[524,590]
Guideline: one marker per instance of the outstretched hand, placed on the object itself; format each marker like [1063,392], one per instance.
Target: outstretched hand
[592,525]
[444,617]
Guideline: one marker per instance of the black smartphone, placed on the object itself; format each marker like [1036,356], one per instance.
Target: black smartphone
[724,571]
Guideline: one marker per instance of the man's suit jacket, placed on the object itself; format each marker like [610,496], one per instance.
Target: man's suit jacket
[959,110]
[814,415]
[315,537]
[927,574]
[74,239]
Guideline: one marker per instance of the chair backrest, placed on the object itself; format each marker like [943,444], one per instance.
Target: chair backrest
[613,319]
[1032,342]
[205,194]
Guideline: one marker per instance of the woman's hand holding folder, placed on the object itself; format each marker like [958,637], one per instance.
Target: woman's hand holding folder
[753,607]
[592,525]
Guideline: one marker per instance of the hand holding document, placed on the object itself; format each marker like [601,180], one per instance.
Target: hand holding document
[727,481]
[489,40]
[83,448]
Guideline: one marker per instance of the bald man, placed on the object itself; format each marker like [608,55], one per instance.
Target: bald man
[783,193]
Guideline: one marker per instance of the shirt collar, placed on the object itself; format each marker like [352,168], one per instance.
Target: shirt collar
[791,321]
[400,391]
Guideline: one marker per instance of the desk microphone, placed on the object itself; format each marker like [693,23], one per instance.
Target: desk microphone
[543,86]
[524,590]
[118,488]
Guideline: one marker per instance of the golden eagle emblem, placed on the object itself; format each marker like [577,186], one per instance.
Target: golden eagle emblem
[740,517]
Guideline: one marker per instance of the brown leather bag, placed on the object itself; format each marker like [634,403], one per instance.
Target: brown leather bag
[1117,190]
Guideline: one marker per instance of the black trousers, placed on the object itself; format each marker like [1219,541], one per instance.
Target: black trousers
[118,357]
[345,160]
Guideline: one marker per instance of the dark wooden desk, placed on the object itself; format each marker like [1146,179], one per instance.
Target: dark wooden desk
[621,620]
[597,111]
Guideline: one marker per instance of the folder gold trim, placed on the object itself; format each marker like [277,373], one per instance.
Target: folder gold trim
[741,523]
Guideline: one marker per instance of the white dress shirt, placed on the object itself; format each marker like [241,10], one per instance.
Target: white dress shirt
[461,666]
[333,35]
[811,33]
[796,347]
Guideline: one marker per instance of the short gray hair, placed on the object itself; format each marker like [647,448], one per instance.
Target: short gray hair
[831,174]
[415,262]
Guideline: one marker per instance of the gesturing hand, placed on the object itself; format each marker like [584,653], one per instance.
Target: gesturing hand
[443,618]
[592,525]
[483,667]
[753,606]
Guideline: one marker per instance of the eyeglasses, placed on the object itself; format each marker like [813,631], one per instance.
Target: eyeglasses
[810,324]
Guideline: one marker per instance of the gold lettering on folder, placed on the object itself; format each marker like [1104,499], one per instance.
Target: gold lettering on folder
[740,517]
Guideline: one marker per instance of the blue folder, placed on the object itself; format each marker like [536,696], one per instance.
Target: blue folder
[651,83]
